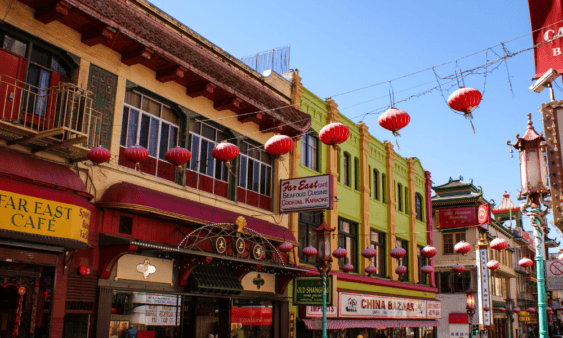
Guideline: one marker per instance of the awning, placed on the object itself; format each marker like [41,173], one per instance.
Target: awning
[144,200]
[215,280]
[339,324]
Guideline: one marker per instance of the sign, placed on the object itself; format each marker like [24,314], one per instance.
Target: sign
[352,305]
[38,216]
[259,282]
[459,318]
[156,315]
[554,275]
[317,311]
[459,330]
[433,309]
[247,315]
[306,193]
[145,269]
[309,290]
[546,19]
[457,217]
[484,214]
[483,286]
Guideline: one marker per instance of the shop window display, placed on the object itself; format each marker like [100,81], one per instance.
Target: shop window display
[251,319]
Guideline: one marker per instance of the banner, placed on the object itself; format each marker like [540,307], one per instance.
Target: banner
[546,17]
[306,193]
[374,306]
[457,217]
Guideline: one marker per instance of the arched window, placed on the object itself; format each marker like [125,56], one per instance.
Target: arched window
[406,200]
[399,197]
[309,151]
[376,184]
[346,169]
[356,173]
[383,188]
[418,206]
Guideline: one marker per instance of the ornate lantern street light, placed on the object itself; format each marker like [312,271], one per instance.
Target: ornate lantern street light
[533,177]
[470,299]
[509,312]
[324,261]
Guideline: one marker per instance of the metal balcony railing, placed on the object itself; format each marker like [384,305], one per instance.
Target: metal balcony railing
[56,119]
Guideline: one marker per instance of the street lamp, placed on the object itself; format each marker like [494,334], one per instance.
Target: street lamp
[509,312]
[470,299]
[533,178]
[324,261]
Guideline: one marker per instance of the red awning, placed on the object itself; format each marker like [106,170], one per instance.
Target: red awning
[339,324]
[140,199]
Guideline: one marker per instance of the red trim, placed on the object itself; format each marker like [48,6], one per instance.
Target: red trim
[110,255]
[341,324]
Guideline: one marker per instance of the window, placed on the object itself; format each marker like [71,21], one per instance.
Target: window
[376,184]
[338,164]
[449,240]
[451,282]
[346,169]
[418,206]
[406,200]
[377,241]
[14,45]
[309,151]
[308,237]
[383,188]
[255,176]
[422,261]
[369,177]
[498,286]
[348,239]
[356,173]
[399,197]
[405,260]
[125,225]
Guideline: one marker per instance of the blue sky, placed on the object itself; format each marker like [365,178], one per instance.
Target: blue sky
[339,46]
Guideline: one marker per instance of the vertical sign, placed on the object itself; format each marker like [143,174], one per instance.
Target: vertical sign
[546,17]
[483,288]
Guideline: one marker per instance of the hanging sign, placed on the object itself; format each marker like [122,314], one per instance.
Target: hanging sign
[351,305]
[483,286]
[433,309]
[484,214]
[306,193]
[457,217]
[547,32]
[309,290]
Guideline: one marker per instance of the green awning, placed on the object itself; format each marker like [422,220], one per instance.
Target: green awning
[215,280]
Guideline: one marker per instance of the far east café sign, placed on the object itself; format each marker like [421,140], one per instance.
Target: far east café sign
[306,194]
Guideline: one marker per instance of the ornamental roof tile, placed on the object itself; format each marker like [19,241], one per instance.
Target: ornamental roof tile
[506,205]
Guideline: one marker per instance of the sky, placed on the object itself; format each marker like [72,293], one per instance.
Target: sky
[340,46]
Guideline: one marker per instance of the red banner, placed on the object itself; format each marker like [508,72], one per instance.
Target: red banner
[547,24]
[457,217]
[459,318]
[251,315]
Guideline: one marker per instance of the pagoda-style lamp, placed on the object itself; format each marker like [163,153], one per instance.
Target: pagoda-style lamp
[470,301]
[534,185]
[324,260]
[509,311]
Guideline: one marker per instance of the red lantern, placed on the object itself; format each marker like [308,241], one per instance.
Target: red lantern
[501,310]
[462,247]
[470,307]
[334,134]
[310,251]
[369,252]
[398,252]
[370,270]
[394,120]
[401,270]
[560,257]
[279,145]
[225,152]
[525,262]
[531,310]
[458,268]
[486,308]
[493,265]
[347,267]
[99,155]
[427,269]
[339,253]
[115,310]
[549,310]
[464,100]
[178,156]
[428,251]
[286,247]
[83,270]
[516,309]
[499,244]
[136,154]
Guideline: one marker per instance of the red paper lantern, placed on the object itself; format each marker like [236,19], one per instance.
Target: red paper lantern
[486,308]
[310,251]
[370,270]
[369,252]
[115,310]
[401,270]
[225,152]
[458,268]
[560,257]
[525,262]
[499,244]
[516,309]
[136,154]
[428,251]
[83,270]
[178,156]
[462,247]
[531,310]
[279,145]
[464,100]
[427,269]
[286,247]
[394,120]
[347,267]
[398,252]
[501,310]
[470,307]
[98,155]
[549,310]
[493,265]
[339,253]
[334,133]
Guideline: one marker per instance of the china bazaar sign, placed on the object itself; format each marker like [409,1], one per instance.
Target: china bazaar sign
[547,35]
[373,306]
[306,193]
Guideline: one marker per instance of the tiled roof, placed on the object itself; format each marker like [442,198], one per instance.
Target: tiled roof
[506,205]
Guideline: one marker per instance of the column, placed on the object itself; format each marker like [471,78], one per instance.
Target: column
[365,191]
[390,198]
[332,169]
[414,276]
[428,207]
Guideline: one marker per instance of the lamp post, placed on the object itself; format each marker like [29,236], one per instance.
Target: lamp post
[470,300]
[509,311]
[534,185]
[324,261]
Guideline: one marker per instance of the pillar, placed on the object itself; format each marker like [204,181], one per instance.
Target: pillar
[428,207]
[332,169]
[390,198]
[365,191]
[413,240]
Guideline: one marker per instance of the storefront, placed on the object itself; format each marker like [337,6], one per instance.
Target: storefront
[372,316]
[44,218]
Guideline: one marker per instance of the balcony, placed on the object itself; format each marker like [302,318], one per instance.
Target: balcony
[59,120]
